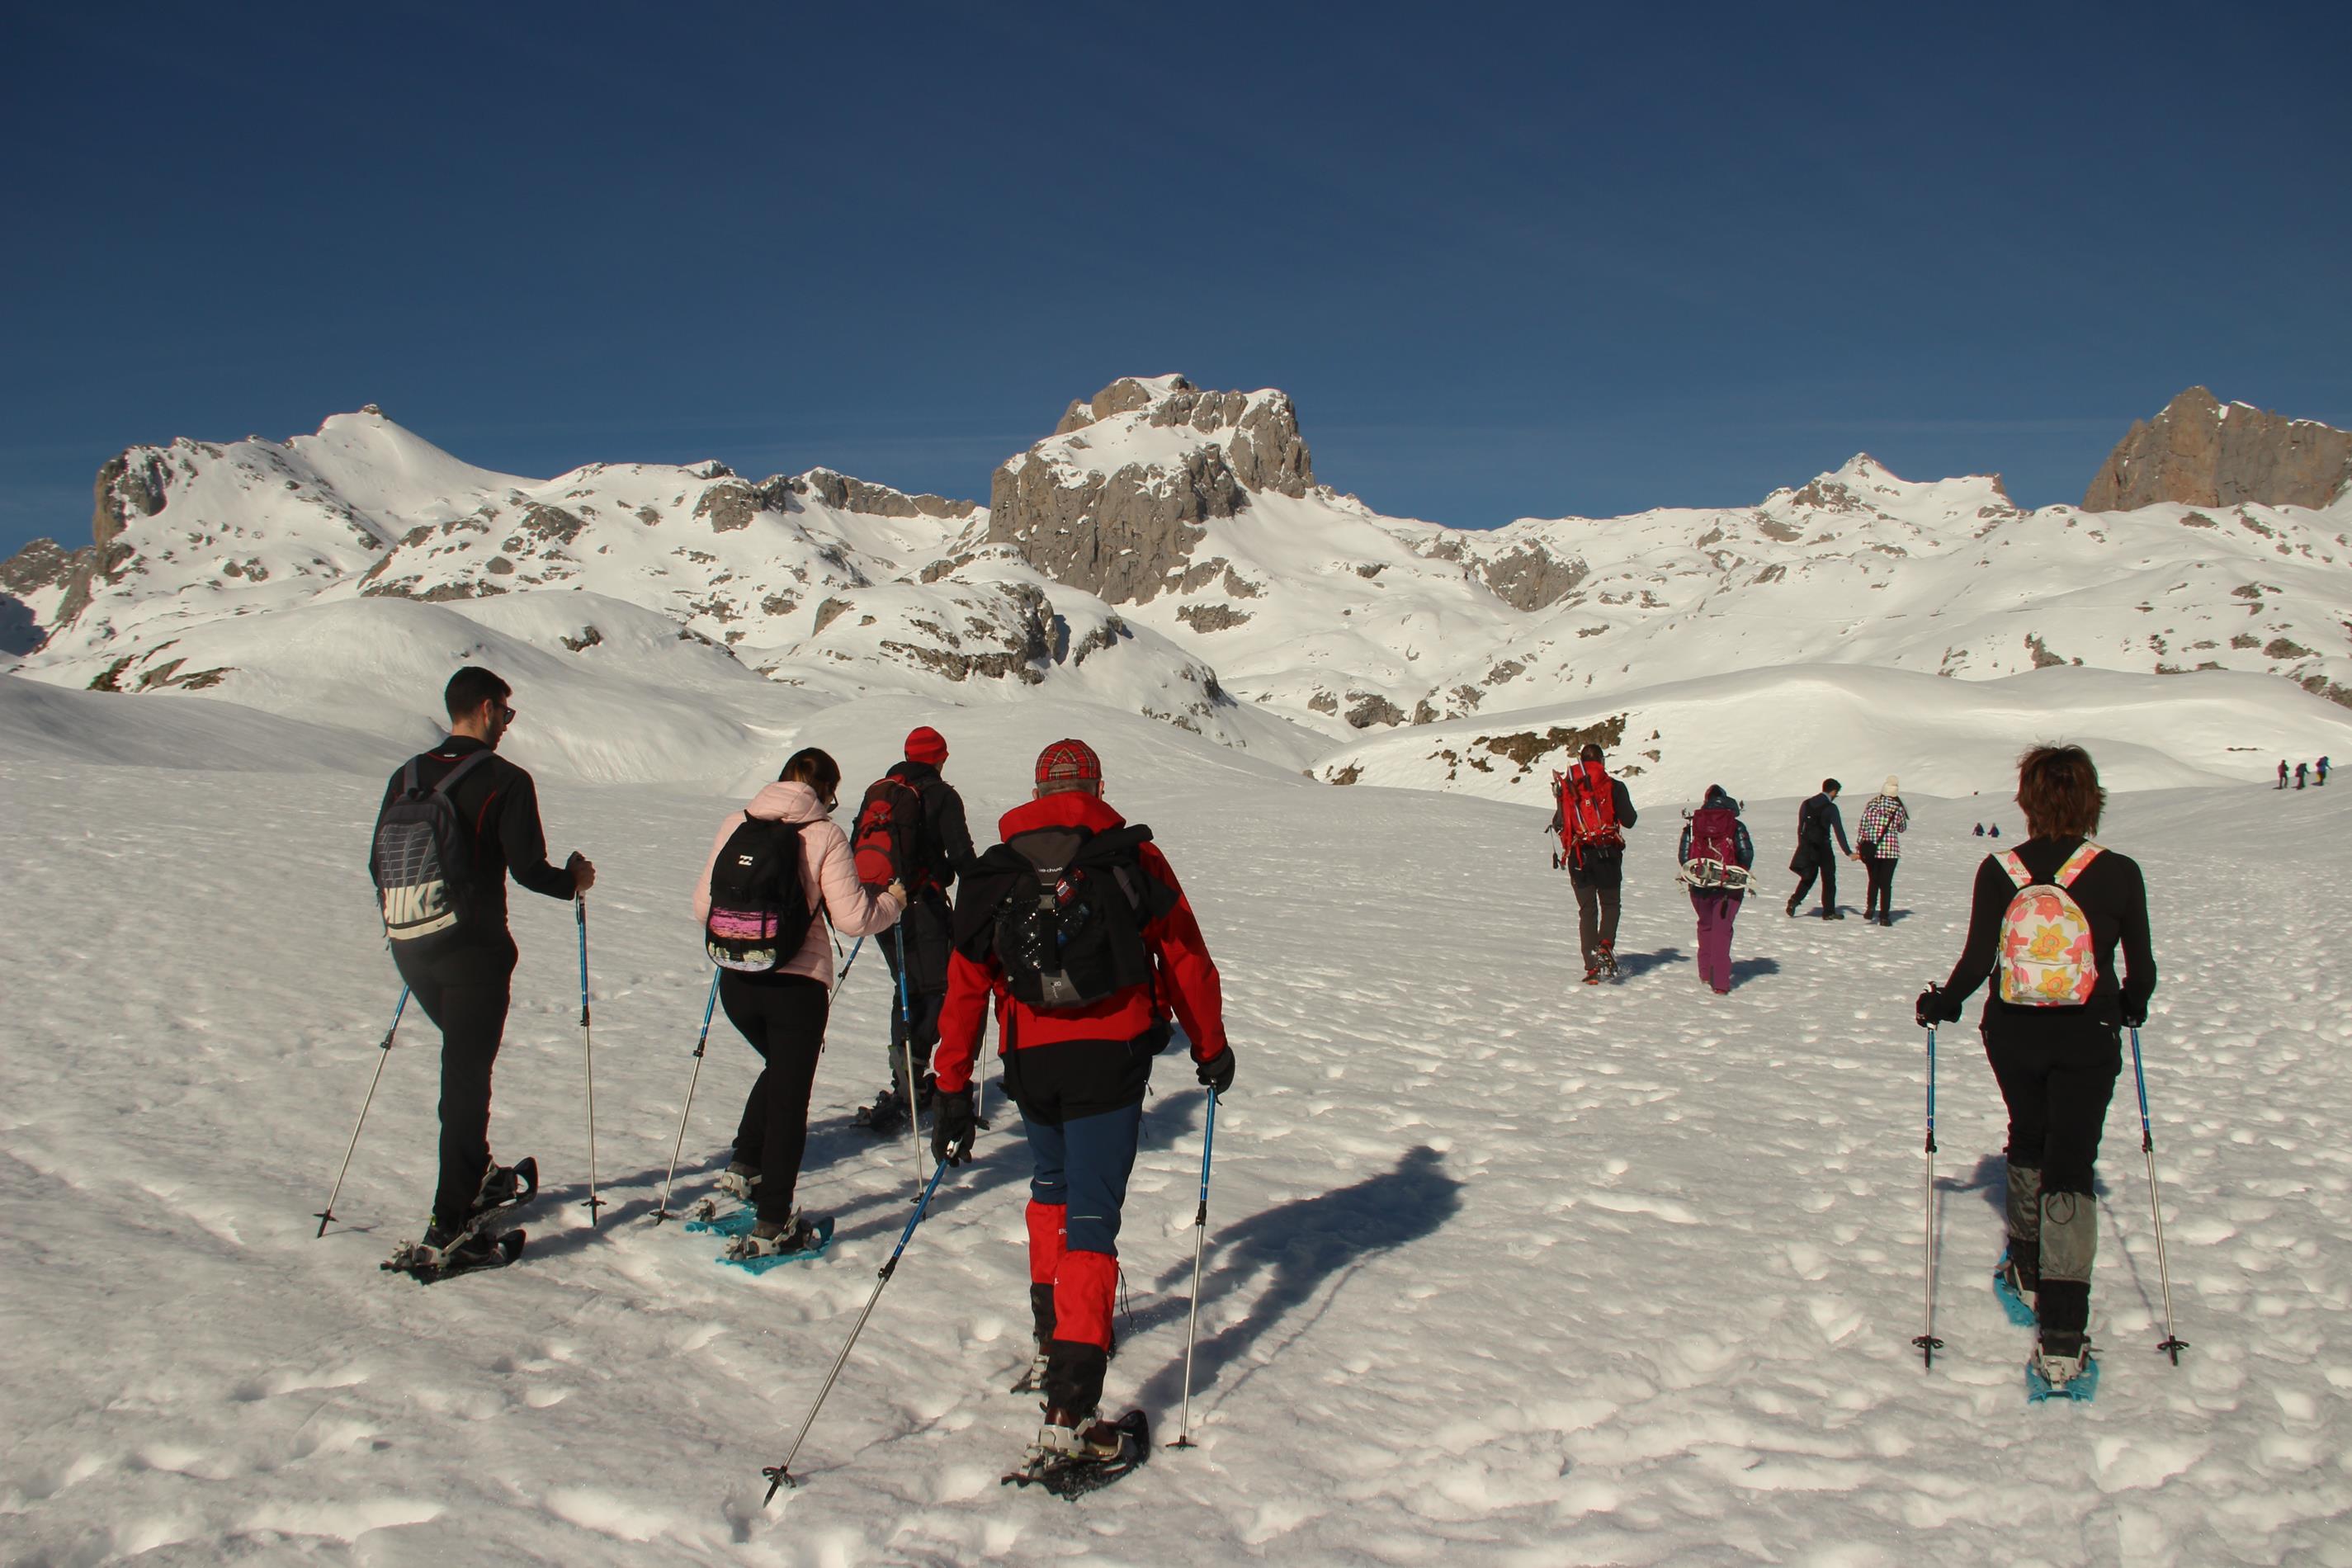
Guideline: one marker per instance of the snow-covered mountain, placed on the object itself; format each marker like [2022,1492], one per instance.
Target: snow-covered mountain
[1167,551]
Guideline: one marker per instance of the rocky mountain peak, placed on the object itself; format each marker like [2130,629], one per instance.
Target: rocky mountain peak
[2201,451]
[1115,499]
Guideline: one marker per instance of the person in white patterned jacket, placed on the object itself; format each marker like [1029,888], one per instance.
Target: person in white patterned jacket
[1879,840]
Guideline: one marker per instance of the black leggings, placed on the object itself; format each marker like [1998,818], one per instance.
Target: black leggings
[465,992]
[1877,899]
[783,1018]
[2057,1076]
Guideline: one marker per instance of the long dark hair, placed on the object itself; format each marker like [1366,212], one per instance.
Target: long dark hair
[815,769]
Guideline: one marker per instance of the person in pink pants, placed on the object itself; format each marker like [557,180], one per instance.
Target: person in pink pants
[1715,837]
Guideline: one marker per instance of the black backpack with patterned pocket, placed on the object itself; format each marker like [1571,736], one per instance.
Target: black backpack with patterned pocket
[760,914]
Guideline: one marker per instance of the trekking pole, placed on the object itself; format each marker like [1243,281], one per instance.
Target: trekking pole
[907,1054]
[588,1040]
[853,961]
[384,1054]
[2173,1343]
[663,1213]
[782,1475]
[1927,1343]
[1199,1239]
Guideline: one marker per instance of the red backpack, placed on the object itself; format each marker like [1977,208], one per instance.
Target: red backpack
[1588,811]
[888,842]
[1715,835]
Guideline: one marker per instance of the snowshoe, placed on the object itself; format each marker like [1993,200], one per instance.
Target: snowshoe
[737,1181]
[765,1246]
[2008,1287]
[1072,1458]
[2070,1378]
[1032,1381]
[1608,962]
[505,1187]
[886,1116]
[710,1219]
[441,1255]
[1592,974]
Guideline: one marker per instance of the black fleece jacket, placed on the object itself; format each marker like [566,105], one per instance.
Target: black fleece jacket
[500,804]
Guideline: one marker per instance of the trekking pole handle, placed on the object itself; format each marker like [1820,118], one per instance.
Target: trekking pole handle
[1931,1089]
[709,1006]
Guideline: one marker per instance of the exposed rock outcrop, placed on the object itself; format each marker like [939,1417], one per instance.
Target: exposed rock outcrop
[2203,452]
[845,493]
[1108,504]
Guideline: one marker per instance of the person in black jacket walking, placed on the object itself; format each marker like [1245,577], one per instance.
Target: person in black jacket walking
[1817,819]
[922,932]
[2055,1057]
[462,977]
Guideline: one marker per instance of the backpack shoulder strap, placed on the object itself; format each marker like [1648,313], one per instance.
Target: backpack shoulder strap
[2083,855]
[466,765]
[2015,868]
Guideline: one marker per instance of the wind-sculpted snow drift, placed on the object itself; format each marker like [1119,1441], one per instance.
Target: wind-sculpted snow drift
[1167,551]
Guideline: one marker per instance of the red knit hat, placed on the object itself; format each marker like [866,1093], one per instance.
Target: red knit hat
[1068,764]
[925,744]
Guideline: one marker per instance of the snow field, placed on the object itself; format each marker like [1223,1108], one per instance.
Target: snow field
[1503,1269]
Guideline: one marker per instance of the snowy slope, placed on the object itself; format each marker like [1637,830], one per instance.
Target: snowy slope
[1503,1270]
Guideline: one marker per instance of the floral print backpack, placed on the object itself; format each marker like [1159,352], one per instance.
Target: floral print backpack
[2047,956]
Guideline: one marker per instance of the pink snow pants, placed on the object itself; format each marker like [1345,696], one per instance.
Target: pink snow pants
[1716,913]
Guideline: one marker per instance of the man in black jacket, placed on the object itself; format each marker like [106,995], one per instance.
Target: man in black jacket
[462,976]
[922,934]
[1817,819]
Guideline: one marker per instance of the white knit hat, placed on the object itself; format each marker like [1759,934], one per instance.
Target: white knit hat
[1893,788]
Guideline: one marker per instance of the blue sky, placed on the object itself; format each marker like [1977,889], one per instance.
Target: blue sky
[1509,261]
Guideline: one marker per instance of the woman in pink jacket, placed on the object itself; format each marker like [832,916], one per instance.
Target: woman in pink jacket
[783,1011]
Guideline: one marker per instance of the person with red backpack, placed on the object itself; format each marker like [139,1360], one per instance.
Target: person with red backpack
[1714,842]
[913,818]
[2049,916]
[777,871]
[1590,812]
[1076,928]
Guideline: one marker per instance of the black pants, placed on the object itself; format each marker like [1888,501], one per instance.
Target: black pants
[783,1018]
[464,990]
[1824,866]
[924,935]
[2056,1076]
[1597,882]
[1877,898]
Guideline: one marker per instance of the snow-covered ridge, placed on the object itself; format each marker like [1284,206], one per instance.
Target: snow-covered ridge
[1167,551]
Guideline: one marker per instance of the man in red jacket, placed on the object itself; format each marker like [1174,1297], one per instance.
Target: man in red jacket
[1077,929]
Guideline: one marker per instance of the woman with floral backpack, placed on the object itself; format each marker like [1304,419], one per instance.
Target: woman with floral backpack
[2049,916]
[1880,844]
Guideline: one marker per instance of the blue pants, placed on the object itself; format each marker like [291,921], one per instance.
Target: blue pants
[1082,1165]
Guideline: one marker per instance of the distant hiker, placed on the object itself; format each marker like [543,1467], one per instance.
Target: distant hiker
[1979,830]
[1716,837]
[2322,770]
[2282,783]
[1590,812]
[1996,831]
[938,851]
[2048,917]
[456,822]
[1078,930]
[2302,772]
[1817,820]
[777,871]
[1884,822]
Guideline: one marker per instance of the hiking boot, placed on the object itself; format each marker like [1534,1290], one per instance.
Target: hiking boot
[770,1239]
[1592,974]
[1792,907]
[2020,1279]
[1068,1436]
[1833,914]
[2061,1358]
[738,1180]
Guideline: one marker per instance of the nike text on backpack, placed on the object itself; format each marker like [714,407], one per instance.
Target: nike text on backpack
[760,914]
[1070,932]
[2047,955]
[887,843]
[1588,811]
[424,859]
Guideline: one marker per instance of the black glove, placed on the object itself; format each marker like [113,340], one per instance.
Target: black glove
[1936,1007]
[1217,1072]
[2135,1014]
[952,1122]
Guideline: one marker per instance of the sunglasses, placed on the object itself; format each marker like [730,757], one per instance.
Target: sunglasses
[507,714]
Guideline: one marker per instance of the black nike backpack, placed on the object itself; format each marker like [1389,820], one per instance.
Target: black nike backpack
[1070,933]
[423,862]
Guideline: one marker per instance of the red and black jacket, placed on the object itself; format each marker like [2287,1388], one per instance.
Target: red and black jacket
[1185,978]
